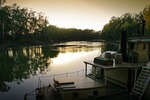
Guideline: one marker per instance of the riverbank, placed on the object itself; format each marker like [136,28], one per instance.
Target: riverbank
[7,44]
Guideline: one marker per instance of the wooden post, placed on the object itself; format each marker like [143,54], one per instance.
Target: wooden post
[85,68]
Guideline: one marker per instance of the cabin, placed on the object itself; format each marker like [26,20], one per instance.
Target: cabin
[139,50]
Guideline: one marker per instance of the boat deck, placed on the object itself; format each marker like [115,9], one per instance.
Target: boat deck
[122,65]
[78,82]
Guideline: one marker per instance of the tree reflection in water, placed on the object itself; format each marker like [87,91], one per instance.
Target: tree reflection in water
[21,63]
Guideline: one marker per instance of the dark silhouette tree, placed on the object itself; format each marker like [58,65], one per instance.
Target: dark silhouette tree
[146,13]
[17,22]
[130,22]
[2,2]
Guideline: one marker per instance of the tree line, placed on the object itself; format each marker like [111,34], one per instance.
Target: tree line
[16,22]
[130,22]
[20,25]
[63,34]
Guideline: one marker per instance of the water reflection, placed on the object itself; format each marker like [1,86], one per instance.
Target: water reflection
[20,67]
[19,64]
[78,46]
[110,47]
[4,87]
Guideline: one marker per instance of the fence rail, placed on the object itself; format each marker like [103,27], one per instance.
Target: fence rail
[51,77]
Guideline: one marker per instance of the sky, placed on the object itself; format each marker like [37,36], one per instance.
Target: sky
[82,14]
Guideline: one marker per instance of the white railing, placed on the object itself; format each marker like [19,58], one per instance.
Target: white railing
[42,83]
[49,80]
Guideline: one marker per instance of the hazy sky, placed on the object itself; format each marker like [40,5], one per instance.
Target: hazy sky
[82,14]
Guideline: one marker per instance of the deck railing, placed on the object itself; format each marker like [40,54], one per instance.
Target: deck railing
[42,83]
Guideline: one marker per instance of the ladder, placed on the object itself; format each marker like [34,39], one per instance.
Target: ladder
[99,73]
[141,83]
[95,72]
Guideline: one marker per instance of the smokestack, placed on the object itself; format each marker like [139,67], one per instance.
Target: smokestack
[143,28]
[123,45]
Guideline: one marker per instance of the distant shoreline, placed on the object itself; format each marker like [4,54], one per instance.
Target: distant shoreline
[15,44]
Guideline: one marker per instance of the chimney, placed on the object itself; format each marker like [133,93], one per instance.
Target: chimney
[143,28]
[123,45]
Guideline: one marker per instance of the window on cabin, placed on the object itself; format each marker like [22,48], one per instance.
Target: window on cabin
[131,45]
[144,47]
[149,52]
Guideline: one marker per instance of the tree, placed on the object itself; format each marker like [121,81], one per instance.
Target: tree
[129,22]
[1,22]
[2,2]
[146,13]
[16,22]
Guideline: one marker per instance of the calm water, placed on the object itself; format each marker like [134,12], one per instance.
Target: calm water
[21,67]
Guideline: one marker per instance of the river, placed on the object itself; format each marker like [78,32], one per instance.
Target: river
[20,67]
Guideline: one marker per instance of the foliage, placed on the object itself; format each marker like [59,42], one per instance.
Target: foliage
[146,12]
[16,22]
[63,34]
[130,22]
[23,26]
[2,2]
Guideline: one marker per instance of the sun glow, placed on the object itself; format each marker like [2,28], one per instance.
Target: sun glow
[66,58]
[70,23]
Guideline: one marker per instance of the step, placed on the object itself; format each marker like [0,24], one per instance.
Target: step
[145,74]
[138,89]
[139,86]
[136,92]
[146,71]
[141,81]
[143,77]
[146,68]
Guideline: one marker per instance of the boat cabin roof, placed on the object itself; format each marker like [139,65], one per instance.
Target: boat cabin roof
[139,39]
[80,82]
